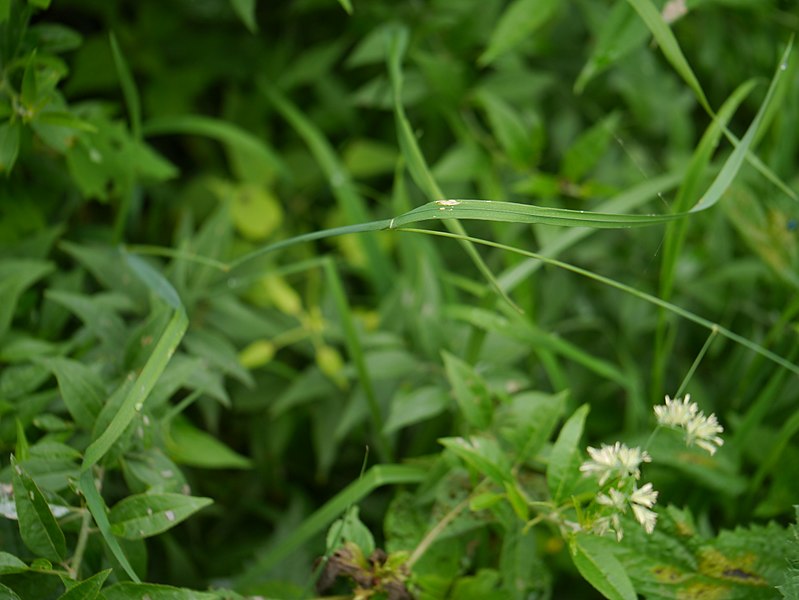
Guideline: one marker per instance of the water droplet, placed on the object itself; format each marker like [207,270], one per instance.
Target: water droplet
[170,516]
[166,473]
[146,420]
[784,67]
[149,511]
[139,406]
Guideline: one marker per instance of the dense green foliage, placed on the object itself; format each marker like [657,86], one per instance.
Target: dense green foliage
[375,300]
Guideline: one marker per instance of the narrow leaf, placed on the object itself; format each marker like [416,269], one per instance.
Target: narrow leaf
[134,401]
[81,389]
[519,21]
[37,525]
[563,469]
[9,145]
[245,10]
[154,280]
[97,507]
[128,88]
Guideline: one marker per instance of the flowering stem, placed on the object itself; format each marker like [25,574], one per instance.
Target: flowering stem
[714,330]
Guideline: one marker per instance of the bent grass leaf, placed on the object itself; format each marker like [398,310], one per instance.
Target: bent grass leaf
[37,525]
[99,512]
[593,556]
[257,152]
[137,395]
[144,515]
[88,589]
[563,469]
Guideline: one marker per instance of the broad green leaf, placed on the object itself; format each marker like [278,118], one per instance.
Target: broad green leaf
[137,591]
[594,558]
[11,564]
[145,515]
[520,20]
[98,509]
[483,454]
[588,149]
[137,395]
[6,593]
[621,33]
[471,392]
[37,525]
[188,445]
[17,275]
[528,421]
[9,145]
[412,406]
[88,589]
[81,388]
[564,460]
[29,92]
[350,528]
[522,141]
[98,317]
[245,10]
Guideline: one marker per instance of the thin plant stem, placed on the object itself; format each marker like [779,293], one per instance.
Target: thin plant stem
[80,546]
[713,333]
[437,530]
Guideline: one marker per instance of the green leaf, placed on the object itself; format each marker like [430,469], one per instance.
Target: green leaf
[564,461]
[22,449]
[519,21]
[521,141]
[259,155]
[594,558]
[9,145]
[11,564]
[483,454]
[154,280]
[621,32]
[471,392]
[88,589]
[17,275]
[528,421]
[40,3]
[128,88]
[144,515]
[350,528]
[81,388]
[188,445]
[137,591]
[5,10]
[98,509]
[37,525]
[137,395]
[412,406]
[589,148]
[245,10]
[6,593]
[346,5]
[29,93]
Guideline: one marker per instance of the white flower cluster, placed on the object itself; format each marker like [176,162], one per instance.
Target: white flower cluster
[641,500]
[621,464]
[699,429]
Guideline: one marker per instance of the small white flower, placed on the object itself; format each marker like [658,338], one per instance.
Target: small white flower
[645,496]
[676,413]
[616,460]
[641,500]
[699,429]
[616,499]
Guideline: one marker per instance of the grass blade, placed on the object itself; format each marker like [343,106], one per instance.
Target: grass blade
[374,478]
[349,200]
[137,395]
[97,507]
